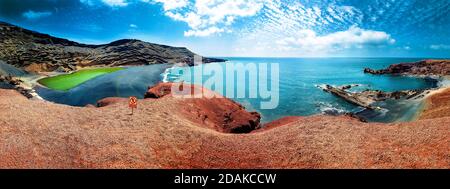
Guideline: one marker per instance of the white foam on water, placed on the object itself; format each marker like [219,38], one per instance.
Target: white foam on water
[166,74]
[444,82]
[329,109]
[321,86]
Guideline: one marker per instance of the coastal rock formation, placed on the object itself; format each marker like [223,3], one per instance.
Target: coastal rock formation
[377,95]
[355,98]
[160,135]
[367,97]
[424,67]
[17,84]
[218,113]
[10,80]
[36,52]
[158,91]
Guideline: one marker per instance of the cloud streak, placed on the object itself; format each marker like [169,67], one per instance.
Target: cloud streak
[172,4]
[440,47]
[33,15]
[111,3]
[354,37]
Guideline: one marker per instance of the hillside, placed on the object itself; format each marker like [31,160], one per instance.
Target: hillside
[37,52]
[163,134]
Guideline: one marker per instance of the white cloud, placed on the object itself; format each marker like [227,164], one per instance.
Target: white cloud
[204,17]
[307,42]
[207,17]
[115,3]
[133,26]
[440,47]
[204,32]
[172,4]
[35,15]
[193,20]
[280,30]
[111,3]
[354,37]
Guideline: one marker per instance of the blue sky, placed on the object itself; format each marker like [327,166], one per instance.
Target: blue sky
[269,28]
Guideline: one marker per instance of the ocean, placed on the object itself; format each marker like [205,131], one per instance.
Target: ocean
[298,91]
[299,79]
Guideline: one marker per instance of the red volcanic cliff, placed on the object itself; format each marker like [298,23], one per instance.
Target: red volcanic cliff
[218,113]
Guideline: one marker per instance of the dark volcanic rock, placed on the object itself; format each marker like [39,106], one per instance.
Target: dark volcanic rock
[367,97]
[15,83]
[425,67]
[158,91]
[354,98]
[378,95]
[356,116]
[110,101]
[41,52]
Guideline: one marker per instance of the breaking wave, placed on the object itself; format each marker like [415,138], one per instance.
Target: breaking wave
[329,109]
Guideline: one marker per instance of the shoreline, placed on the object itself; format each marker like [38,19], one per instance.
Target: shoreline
[427,100]
[31,81]
[443,85]
[171,132]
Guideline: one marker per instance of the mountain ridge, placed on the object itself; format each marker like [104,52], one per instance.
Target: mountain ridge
[39,52]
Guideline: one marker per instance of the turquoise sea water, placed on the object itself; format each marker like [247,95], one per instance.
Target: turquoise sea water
[300,96]
[298,91]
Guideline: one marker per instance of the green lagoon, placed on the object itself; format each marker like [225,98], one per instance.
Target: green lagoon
[66,82]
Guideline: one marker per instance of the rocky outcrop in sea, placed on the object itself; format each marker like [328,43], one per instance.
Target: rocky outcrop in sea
[429,69]
[424,67]
[367,97]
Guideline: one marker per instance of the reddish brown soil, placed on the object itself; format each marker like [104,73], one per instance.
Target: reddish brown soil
[438,105]
[285,121]
[38,134]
